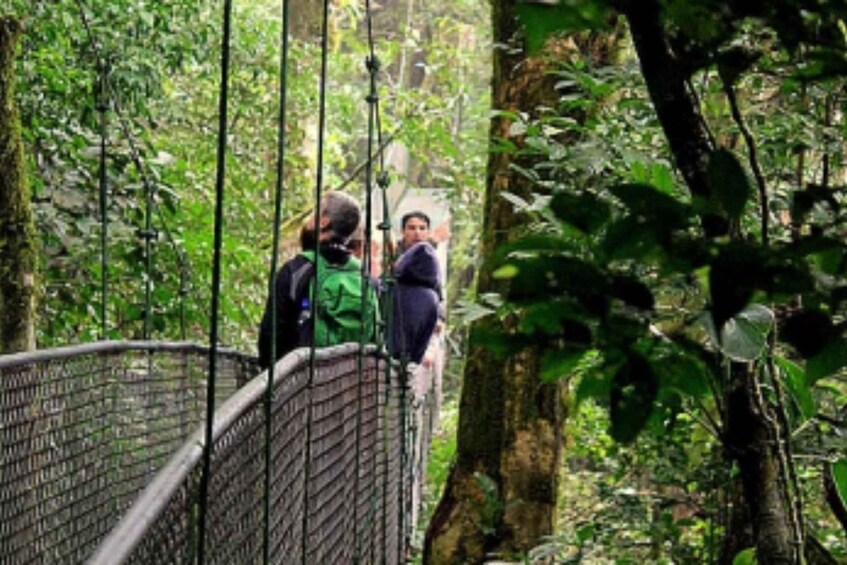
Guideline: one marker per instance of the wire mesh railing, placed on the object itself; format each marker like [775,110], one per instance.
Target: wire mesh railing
[84,429]
[345,504]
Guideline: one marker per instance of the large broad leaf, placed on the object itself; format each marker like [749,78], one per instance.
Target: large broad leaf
[745,557]
[634,390]
[743,337]
[680,370]
[632,291]
[808,331]
[649,202]
[560,364]
[733,277]
[794,379]
[501,344]
[830,359]
[585,211]
[839,477]
[543,19]
[632,238]
[729,182]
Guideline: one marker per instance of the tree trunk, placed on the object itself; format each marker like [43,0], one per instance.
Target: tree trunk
[676,107]
[17,231]
[749,438]
[747,432]
[501,494]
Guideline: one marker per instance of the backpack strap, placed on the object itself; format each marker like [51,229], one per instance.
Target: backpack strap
[298,278]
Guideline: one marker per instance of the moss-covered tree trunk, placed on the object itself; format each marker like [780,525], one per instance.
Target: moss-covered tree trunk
[747,434]
[17,231]
[501,493]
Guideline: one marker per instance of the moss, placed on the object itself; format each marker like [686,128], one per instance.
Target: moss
[18,256]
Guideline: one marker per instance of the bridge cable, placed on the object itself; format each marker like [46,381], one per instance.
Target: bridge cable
[102,102]
[317,271]
[372,65]
[111,100]
[277,221]
[216,279]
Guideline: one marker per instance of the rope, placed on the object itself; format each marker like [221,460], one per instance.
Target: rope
[216,279]
[317,274]
[280,169]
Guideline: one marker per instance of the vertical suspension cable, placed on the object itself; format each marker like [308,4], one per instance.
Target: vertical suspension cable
[280,175]
[386,321]
[113,103]
[147,234]
[316,275]
[216,280]
[102,108]
[372,65]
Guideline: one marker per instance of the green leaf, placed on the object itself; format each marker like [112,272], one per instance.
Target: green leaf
[519,203]
[561,363]
[795,381]
[631,238]
[680,370]
[506,272]
[839,476]
[832,358]
[634,389]
[585,211]
[632,291]
[734,276]
[649,202]
[542,20]
[746,557]
[744,336]
[729,182]
[808,331]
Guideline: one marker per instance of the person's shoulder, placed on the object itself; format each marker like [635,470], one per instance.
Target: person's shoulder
[293,265]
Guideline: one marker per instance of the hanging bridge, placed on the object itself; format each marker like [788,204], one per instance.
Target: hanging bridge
[102,456]
[113,452]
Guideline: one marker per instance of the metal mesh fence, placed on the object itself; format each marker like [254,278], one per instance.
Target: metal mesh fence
[340,473]
[84,429]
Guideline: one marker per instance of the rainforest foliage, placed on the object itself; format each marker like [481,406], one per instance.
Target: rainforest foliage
[155,69]
[685,272]
[684,268]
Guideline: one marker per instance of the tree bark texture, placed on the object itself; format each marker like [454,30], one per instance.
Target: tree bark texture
[676,107]
[17,230]
[501,494]
[749,439]
[747,432]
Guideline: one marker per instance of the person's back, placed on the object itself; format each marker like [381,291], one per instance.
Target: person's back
[415,302]
[339,215]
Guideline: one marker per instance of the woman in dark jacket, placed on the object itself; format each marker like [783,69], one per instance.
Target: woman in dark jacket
[415,302]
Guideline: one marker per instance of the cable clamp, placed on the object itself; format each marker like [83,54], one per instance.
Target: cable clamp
[372,63]
[372,98]
[147,234]
[383,180]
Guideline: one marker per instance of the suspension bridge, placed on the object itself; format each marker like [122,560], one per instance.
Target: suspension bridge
[173,452]
[103,444]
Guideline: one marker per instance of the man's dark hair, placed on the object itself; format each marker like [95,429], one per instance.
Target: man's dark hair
[307,235]
[415,214]
[343,213]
